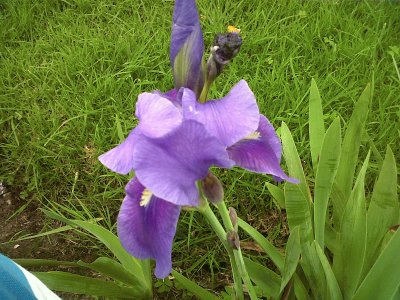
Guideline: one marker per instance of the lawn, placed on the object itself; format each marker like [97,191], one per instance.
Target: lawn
[71,71]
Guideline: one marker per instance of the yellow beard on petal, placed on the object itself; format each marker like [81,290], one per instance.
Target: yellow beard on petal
[253,136]
[145,198]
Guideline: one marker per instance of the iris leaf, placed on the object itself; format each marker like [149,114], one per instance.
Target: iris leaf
[326,171]
[193,287]
[316,123]
[349,257]
[73,283]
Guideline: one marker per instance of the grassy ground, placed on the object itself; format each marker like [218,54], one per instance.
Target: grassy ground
[70,73]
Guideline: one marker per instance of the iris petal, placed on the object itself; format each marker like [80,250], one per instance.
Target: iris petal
[148,231]
[230,118]
[120,158]
[187,46]
[170,166]
[157,115]
[262,154]
[171,95]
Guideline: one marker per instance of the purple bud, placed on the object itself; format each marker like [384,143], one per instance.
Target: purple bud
[225,47]
[212,188]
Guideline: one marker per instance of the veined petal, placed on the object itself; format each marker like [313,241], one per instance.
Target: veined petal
[260,153]
[148,231]
[171,95]
[230,119]
[157,115]
[187,46]
[120,159]
[170,166]
[174,95]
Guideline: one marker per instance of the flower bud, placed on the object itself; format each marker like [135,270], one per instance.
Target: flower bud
[225,47]
[233,239]
[212,188]
[234,218]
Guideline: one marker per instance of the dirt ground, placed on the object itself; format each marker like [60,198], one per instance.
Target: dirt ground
[30,221]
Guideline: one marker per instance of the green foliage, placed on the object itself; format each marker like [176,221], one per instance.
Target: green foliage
[383,210]
[382,281]
[191,286]
[130,277]
[316,126]
[68,282]
[349,256]
[350,148]
[293,250]
[326,171]
[347,249]
[268,281]
[266,245]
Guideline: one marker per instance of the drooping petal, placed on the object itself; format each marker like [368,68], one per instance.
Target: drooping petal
[260,153]
[148,231]
[230,118]
[120,159]
[157,115]
[169,166]
[187,46]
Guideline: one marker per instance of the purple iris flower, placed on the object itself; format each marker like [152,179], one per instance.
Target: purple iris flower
[178,139]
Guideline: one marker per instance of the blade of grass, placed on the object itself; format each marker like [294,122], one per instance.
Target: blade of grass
[316,123]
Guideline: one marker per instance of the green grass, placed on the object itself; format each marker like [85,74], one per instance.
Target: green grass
[71,71]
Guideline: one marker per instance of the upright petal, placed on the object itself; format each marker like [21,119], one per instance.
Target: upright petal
[120,158]
[170,166]
[148,231]
[260,153]
[157,115]
[187,46]
[171,95]
[230,119]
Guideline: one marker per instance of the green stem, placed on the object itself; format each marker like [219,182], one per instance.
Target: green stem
[237,252]
[204,92]
[220,232]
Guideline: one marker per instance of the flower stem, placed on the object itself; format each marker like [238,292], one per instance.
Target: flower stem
[237,252]
[204,92]
[220,232]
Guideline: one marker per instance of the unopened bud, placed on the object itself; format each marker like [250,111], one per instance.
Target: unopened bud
[233,239]
[226,46]
[234,218]
[212,188]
